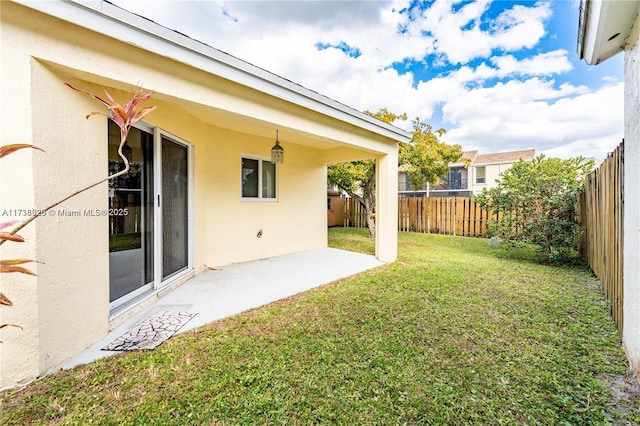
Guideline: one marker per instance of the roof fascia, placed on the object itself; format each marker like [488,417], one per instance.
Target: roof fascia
[604,28]
[498,163]
[114,22]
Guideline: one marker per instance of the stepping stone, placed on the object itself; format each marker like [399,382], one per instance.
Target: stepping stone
[150,332]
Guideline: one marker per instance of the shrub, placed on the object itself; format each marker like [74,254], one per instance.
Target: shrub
[538,203]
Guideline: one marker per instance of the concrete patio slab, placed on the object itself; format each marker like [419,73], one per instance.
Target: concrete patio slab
[216,294]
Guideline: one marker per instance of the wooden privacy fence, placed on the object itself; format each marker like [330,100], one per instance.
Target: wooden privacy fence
[443,215]
[435,215]
[601,214]
[346,212]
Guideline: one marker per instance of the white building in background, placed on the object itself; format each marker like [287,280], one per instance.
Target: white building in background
[469,176]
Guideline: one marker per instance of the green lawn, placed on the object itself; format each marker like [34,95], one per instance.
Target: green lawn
[454,332]
[119,242]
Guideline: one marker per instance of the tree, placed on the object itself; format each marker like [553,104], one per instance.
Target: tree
[426,158]
[538,202]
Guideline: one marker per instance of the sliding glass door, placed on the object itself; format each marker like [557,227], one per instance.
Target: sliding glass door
[175,203]
[131,208]
[149,213]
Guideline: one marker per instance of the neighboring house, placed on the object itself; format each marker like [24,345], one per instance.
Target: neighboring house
[202,187]
[487,168]
[605,29]
[469,176]
[459,181]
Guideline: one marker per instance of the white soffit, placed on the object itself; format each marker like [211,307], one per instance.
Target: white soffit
[127,27]
[605,26]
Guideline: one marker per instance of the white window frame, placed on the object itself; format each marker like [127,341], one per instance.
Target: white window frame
[484,178]
[260,198]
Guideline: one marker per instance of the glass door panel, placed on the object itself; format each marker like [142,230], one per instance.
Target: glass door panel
[131,196]
[175,202]
[268,180]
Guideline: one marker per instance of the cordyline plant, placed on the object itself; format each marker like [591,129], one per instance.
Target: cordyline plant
[125,117]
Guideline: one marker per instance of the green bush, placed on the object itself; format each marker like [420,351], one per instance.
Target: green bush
[538,201]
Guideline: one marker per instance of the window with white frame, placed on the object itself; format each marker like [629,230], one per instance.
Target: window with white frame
[258,178]
[480,174]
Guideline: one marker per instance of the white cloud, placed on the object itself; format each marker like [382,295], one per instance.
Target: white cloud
[510,97]
[521,26]
[555,62]
[589,123]
[461,37]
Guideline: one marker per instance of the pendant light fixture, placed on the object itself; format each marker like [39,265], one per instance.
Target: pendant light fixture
[277,152]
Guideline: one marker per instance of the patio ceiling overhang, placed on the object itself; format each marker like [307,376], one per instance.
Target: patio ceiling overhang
[343,133]
[604,28]
[336,139]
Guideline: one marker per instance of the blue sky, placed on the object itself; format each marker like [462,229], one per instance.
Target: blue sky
[498,76]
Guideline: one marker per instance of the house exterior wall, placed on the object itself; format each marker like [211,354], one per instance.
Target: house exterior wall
[66,308]
[66,293]
[16,174]
[387,206]
[492,174]
[631,249]
[226,226]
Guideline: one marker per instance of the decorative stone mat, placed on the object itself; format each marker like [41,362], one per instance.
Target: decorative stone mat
[150,332]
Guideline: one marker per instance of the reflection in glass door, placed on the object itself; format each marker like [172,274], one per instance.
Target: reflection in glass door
[175,201]
[131,200]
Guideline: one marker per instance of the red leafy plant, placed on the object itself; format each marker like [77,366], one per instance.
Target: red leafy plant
[125,116]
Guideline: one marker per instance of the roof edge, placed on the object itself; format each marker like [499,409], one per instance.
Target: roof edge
[604,27]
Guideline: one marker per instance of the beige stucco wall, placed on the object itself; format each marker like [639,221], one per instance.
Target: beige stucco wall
[65,308]
[492,174]
[16,189]
[227,226]
[631,252]
[387,207]
[73,281]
